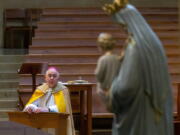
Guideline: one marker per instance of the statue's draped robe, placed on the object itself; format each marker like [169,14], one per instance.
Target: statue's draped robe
[141,95]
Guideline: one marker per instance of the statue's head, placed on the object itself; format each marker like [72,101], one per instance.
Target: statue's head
[106,42]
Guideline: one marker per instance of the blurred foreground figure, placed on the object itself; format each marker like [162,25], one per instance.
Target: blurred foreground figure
[107,66]
[141,94]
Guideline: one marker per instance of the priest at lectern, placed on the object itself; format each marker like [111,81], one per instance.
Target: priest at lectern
[52,96]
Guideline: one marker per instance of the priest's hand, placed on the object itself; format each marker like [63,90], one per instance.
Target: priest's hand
[41,109]
[30,108]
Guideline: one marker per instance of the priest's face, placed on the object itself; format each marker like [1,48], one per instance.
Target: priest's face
[52,77]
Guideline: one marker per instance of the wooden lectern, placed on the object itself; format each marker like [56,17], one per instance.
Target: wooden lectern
[85,105]
[42,120]
[33,69]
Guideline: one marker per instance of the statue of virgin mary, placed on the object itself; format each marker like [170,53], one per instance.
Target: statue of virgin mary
[141,94]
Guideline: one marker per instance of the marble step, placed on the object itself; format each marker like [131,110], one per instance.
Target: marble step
[11,58]
[4,119]
[8,93]
[3,112]
[9,75]
[8,102]
[9,83]
[9,67]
